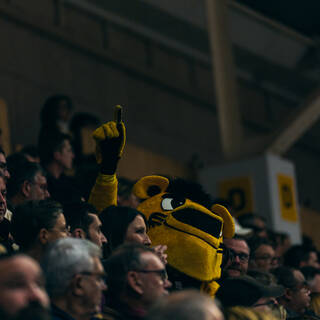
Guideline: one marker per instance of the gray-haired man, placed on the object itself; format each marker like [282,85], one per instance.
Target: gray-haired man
[75,278]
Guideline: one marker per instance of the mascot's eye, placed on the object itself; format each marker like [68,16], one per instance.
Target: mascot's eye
[171,203]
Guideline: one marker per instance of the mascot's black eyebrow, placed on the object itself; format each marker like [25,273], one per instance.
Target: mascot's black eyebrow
[188,189]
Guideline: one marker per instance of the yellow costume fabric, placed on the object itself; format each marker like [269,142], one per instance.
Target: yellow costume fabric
[192,232]
[104,192]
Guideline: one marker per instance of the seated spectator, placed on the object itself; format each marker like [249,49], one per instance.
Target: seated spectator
[4,172]
[238,260]
[125,195]
[262,254]
[57,157]
[299,256]
[74,279]
[136,280]
[35,224]
[312,276]
[185,305]
[22,293]
[247,292]
[3,165]
[84,222]
[280,242]
[5,242]
[254,222]
[27,182]
[296,297]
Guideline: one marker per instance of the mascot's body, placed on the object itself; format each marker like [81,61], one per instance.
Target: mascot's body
[179,216]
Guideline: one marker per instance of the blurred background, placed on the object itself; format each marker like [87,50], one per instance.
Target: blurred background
[206,86]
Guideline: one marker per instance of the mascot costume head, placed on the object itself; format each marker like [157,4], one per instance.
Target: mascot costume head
[180,216]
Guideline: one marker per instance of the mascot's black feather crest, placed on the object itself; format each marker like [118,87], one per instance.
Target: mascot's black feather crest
[190,190]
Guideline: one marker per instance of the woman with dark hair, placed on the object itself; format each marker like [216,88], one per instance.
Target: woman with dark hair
[124,224]
[127,225]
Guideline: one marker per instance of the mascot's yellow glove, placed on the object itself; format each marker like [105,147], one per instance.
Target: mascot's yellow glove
[110,141]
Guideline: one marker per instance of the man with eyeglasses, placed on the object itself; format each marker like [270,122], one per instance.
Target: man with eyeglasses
[74,279]
[296,297]
[137,279]
[238,257]
[262,255]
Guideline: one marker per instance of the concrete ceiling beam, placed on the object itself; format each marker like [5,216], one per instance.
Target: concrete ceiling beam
[301,120]
[223,65]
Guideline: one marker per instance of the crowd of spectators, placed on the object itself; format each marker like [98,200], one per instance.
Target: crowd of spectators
[61,259]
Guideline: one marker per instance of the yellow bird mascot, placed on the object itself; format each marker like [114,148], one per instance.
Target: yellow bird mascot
[179,215]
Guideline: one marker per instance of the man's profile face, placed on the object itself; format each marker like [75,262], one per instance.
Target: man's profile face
[313,260]
[65,155]
[3,167]
[239,258]
[3,200]
[300,294]
[94,231]
[93,285]
[21,285]
[39,188]
[59,230]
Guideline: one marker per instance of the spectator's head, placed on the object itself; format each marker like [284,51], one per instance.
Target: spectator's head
[27,182]
[74,277]
[254,222]
[247,292]
[136,276]
[3,197]
[22,292]
[262,254]
[239,254]
[125,195]
[55,150]
[84,222]
[281,243]
[35,224]
[56,109]
[185,305]
[297,294]
[3,165]
[124,225]
[312,276]
[299,256]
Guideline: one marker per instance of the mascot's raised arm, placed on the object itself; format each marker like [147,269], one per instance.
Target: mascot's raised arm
[110,142]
